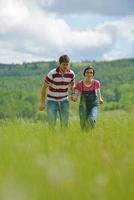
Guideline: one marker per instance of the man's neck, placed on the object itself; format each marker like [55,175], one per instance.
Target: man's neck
[62,71]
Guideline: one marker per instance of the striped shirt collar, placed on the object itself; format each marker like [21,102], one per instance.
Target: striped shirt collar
[58,70]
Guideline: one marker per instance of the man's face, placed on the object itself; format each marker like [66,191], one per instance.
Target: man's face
[64,66]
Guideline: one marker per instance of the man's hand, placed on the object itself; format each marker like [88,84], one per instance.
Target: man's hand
[43,95]
[41,107]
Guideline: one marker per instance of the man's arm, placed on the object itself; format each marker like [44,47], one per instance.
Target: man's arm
[74,92]
[72,87]
[43,96]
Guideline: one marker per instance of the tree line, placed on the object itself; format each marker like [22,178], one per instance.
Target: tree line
[20,86]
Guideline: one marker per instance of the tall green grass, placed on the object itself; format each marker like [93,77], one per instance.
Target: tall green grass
[36,164]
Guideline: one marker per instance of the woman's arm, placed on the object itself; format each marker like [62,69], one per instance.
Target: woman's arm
[99,96]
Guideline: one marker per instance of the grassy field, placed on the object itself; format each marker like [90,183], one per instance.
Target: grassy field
[67,165]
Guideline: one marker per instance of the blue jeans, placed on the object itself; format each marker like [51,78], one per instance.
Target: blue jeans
[88,117]
[61,107]
[92,115]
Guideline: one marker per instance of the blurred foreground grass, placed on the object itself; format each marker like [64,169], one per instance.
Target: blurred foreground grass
[36,164]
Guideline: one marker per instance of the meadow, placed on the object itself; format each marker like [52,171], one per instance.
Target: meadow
[68,164]
[36,164]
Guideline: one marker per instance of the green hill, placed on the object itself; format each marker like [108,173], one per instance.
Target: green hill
[20,86]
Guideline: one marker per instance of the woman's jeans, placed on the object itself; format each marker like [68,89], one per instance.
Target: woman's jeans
[55,107]
[88,118]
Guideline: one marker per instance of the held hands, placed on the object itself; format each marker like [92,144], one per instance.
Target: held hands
[101,101]
[74,97]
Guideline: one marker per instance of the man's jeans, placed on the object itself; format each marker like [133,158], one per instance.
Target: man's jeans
[61,107]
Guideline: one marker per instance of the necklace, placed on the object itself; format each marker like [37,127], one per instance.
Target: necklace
[86,82]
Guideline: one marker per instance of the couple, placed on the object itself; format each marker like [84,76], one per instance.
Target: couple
[55,87]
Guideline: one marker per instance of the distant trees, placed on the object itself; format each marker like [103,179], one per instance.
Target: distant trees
[20,86]
[52,64]
[112,95]
[117,94]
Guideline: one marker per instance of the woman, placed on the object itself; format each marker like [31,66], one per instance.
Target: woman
[90,98]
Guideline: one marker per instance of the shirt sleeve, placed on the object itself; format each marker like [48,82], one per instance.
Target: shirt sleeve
[78,86]
[48,78]
[73,79]
[97,84]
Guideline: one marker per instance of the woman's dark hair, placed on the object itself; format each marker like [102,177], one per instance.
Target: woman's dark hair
[64,59]
[87,68]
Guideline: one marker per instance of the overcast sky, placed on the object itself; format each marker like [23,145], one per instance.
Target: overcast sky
[42,30]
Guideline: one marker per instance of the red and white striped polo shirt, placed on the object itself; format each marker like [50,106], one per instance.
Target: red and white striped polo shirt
[59,84]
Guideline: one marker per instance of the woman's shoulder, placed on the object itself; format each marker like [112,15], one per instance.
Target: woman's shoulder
[79,82]
[96,81]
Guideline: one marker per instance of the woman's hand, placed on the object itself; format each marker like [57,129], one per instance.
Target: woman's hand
[101,101]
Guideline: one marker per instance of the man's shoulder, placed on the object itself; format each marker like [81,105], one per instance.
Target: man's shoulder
[71,72]
[52,71]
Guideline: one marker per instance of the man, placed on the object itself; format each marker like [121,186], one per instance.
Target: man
[57,82]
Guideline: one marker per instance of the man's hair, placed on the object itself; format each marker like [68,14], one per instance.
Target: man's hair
[64,59]
[87,68]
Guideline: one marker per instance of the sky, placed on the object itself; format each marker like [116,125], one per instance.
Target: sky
[43,30]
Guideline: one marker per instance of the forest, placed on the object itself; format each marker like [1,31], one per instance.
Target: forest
[20,86]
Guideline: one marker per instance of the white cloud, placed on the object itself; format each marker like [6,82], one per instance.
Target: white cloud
[28,33]
[102,7]
[12,13]
[123,32]
[123,27]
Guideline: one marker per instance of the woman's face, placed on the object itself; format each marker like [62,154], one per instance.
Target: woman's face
[89,73]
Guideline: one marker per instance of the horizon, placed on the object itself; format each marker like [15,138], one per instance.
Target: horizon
[80,61]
